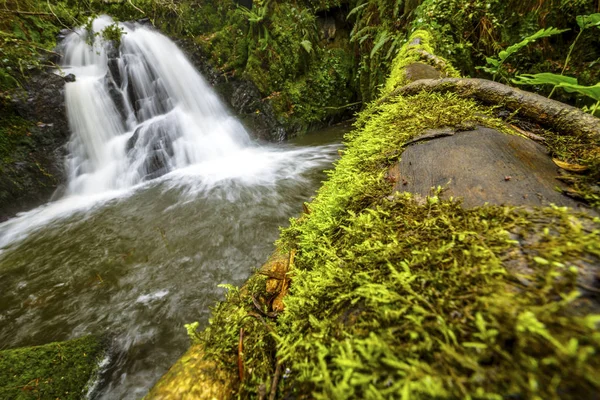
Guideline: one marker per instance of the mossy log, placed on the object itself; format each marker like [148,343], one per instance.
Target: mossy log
[395,295]
[548,113]
[193,377]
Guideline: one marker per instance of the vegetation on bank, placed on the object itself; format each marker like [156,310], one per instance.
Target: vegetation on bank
[393,295]
[314,59]
[53,371]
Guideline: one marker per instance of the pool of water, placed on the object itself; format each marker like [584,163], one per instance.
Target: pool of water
[136,266]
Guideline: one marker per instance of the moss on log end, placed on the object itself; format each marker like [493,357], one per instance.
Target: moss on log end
[61,370]
[193,377]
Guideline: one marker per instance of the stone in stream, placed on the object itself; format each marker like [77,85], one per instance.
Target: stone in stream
[480,166]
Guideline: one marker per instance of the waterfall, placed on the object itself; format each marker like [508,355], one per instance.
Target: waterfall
[139,111]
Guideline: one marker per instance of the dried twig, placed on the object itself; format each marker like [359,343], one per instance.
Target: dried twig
[241,355]
[259,307]
[275,381]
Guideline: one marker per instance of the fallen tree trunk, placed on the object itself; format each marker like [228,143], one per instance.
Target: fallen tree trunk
[548,113]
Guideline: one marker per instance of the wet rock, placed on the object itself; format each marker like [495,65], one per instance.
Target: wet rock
[35,168]
[327,27]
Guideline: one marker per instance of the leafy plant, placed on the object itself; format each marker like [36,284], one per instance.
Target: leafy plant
[257,17]
[495,64]
[114,33]
[569,84]
[584,22]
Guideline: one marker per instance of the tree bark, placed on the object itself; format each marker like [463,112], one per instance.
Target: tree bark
[548,113]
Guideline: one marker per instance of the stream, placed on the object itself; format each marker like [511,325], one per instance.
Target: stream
[168,197]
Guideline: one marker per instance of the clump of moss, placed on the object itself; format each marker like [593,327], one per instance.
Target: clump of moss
[52,371]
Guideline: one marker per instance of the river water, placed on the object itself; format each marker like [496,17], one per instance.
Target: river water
[134,256]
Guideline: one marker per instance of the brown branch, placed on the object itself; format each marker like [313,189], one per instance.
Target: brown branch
[241,355]
[546,112]
[275,381]
[24,12]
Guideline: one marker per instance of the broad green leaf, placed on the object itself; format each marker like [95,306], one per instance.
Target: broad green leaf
[588,21]
[492,61]
[542,33]
[307,45]
[545,78]
[590,91]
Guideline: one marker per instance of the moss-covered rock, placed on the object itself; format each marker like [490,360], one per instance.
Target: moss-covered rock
[61,370]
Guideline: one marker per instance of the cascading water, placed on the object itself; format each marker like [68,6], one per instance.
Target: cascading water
[167,197]
[139,111]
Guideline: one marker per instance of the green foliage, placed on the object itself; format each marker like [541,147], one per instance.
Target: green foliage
[470,31]
[113,33]
[588,21]
[378,35]
[53,371]
[495,63]
[567,83]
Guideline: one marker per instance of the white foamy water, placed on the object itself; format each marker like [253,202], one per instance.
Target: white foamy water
[142,112]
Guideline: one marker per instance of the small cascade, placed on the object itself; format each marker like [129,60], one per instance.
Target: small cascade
[138,111]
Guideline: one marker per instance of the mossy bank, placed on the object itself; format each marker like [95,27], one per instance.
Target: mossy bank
[381,294]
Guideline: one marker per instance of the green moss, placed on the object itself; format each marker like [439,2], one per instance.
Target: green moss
[53,371]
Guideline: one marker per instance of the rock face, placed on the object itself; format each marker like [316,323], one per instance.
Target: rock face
[32,167]
[241,95]
[416,71]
